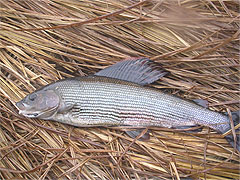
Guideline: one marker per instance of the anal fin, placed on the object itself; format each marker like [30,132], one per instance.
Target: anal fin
[201,102]
[189,129]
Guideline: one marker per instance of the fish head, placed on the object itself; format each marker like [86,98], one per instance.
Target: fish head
[39,104]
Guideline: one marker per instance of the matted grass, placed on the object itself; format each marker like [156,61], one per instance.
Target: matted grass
[43,41]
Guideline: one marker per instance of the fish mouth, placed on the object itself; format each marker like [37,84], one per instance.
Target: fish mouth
[27,111]
[46,114]
[29,114]
[22,107]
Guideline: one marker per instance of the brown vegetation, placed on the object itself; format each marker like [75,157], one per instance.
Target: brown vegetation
[43,41]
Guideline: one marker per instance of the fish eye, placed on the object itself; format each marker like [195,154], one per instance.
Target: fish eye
[32,97]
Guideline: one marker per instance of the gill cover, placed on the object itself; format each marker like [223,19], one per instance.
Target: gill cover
[39,104]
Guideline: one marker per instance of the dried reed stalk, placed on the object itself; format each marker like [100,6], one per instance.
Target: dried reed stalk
[43,41]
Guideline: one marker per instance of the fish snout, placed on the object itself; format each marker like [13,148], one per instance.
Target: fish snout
[20,105]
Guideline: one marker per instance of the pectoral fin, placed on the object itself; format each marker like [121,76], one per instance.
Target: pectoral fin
[135,133]
[137,70]
[64,108]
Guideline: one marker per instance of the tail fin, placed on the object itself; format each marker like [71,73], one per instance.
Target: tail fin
[230,138]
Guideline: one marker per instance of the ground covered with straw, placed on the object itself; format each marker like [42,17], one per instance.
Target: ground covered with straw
[197,41]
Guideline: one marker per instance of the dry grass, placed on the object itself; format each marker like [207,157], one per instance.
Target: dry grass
[43,41]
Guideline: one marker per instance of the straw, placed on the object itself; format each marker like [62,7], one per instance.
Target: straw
[44,41]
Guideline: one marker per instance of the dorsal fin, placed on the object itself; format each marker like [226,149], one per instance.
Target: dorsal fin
[138,70]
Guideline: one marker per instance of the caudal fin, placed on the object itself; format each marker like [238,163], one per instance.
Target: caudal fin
[230,137]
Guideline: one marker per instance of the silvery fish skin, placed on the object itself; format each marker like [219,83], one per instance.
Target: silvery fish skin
[117,96]
[102,101]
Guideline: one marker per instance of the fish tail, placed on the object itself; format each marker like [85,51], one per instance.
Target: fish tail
[231,138]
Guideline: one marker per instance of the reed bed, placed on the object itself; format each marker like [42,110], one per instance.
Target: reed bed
[197,41]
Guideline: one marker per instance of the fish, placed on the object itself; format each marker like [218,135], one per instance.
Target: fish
[119,96]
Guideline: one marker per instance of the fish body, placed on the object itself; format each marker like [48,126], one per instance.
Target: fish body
[103,101]
[116,96]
